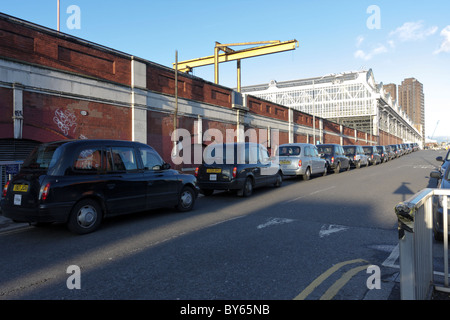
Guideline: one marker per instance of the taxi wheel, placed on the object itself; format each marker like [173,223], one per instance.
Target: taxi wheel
[86,217]
[186,199]
[279,180]
[247,189]
[307,174]
[338,168]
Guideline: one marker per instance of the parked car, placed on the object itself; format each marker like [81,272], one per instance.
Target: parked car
[334,156]
[406,148]
[301,159]
[383,152]
[372,154]
[390,153]
[396,150]
[444,183]
[445,161]
[356,155]
[237,166]
[80,182]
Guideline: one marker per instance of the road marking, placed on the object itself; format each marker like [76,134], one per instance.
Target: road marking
[334,289]
[390,261]
[309,289]
[310,194]
[274,221]
[326,230]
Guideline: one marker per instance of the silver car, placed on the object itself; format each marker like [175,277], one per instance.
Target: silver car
[301,159]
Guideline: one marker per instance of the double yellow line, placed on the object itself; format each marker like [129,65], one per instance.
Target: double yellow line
[334,289]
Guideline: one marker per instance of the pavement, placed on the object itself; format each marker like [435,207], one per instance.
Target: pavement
[7,224]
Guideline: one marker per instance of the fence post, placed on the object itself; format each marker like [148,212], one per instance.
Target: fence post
[416,246]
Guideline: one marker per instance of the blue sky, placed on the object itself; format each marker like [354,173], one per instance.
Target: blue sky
[403,38]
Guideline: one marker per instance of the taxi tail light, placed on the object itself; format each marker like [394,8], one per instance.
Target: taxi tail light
[45,192]
[196,172]
[234,172]
[354,157]
[5,189]
[332,159]
[299,163]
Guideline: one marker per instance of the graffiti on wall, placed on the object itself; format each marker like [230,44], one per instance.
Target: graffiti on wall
[65,120]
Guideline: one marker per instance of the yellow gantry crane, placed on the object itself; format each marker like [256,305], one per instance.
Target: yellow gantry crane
[268,47]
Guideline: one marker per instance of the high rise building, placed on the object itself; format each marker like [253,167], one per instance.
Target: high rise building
[391,88]
[412,101]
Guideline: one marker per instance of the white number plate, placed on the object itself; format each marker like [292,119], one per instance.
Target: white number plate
[17,199]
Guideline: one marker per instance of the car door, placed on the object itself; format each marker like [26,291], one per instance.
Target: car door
[125,185]
[316,161]
[161,183]
[344,160]
[268,168]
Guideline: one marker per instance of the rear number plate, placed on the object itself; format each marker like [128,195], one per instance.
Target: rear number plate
[20,188]
[285,162]
[213,170]
[17,199]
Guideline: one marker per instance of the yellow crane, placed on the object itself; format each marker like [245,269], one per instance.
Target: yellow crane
[268,47]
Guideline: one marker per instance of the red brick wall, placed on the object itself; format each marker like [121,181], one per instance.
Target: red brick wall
[268,109]
[163,80]
[6,113]
[49,118]
[47,49]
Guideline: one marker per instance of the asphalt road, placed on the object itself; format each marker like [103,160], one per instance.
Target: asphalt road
[307,240]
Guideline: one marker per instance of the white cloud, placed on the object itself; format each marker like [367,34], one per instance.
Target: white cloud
[412,31]
[359,41]
[445,46]
[360,54]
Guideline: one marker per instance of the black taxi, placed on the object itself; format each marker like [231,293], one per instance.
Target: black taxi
[80,182]
[239,166]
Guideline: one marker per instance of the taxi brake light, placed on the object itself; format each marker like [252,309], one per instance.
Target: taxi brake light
[5,189]
[45,192]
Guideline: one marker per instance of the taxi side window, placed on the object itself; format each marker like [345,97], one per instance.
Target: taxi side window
[308,152]
[124,159]
[151,160]
[89,161]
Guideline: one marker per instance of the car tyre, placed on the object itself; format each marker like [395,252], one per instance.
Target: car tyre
[325,171]
[358,165]
[186,199]
[307,174]
[338,168]
[85,217]
[247,189]
[278,180]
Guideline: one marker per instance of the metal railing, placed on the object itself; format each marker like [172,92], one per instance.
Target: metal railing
[415,226]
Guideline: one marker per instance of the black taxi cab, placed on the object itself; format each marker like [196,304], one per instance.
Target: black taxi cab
[80,182]
[239,166]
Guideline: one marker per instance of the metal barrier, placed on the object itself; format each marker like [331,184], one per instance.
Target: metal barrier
[415,226]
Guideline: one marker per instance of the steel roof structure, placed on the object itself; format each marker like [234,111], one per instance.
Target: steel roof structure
[353,99]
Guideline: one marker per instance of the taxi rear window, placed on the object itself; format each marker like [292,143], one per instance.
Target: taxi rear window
[42,158]
[289,151]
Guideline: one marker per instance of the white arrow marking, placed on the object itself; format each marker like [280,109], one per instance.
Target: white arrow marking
[274,221]
[328,229]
